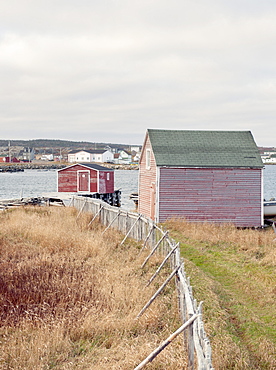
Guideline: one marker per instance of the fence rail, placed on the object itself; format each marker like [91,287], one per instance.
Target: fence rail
[140,228]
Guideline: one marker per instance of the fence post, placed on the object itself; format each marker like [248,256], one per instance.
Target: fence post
[118,214]
[96,215]
[158,291]
[80,211]
[163,263]
[129,231]
[154,249]
[166,343]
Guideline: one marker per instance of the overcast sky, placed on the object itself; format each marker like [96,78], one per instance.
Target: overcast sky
[107,70]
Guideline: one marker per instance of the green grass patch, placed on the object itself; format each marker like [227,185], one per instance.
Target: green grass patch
[236,281]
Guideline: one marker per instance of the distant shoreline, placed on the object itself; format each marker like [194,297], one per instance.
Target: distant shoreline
[10,167]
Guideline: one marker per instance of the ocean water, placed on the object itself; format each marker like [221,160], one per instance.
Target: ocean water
[33,183]
[270,182]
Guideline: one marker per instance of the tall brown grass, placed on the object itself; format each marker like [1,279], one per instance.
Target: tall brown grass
[258,244]
[69,296]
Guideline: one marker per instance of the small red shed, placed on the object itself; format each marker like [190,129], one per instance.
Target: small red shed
[86,178]
[213,176]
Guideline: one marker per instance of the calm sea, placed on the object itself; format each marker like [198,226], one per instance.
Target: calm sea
[33,183]
[269,182]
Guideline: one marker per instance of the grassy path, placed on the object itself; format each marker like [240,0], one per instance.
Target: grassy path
[233,272]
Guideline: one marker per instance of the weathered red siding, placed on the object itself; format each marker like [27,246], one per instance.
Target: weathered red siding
[214,195]
[147,183]
[68,180]
[106,185]
[93,181]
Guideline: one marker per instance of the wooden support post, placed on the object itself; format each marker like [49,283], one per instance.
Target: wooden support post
[154,249]
[147,238]
[158,292]
[118,214]
[196,335]
[81,208]
[189,304]
[163,263]
[166,343]
[71,202]
[96,215]
[129,231]
[190,313]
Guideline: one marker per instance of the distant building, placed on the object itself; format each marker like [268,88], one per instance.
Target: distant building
[4,158]
[123,157]
[269,157]
[7,159]
[103,156]
[26,154]
[136,148]
[47,157]
[135,156]
[99,156]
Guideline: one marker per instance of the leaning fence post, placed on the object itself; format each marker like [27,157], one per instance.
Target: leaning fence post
[129,231]
[158,291]
[163,263]
[118,214]
[96,215]
[147,237]
[154,249]
[81,208]
[166,343]
[71,203]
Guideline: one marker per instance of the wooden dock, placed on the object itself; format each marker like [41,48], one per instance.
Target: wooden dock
[60,199]
[36,201]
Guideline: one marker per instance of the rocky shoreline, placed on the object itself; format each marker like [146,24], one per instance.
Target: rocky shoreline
[18,167]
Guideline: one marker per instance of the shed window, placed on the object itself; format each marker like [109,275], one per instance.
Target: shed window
[148,159]
[107,176]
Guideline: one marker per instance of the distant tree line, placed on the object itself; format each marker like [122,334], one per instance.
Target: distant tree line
[50,143]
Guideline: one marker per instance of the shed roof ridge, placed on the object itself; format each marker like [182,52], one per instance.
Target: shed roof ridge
[199,148]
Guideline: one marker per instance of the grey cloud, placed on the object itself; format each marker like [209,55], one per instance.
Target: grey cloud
[110,68]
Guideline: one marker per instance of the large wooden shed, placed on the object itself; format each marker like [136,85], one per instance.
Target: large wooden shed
[202,176]
[86,178]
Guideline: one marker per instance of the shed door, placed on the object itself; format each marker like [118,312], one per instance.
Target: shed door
[83,181]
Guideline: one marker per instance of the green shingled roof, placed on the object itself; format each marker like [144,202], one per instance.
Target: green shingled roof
[204,148]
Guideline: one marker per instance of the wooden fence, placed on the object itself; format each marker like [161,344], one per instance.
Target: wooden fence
[142,229]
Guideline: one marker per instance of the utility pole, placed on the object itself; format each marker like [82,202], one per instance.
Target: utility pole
[9,147]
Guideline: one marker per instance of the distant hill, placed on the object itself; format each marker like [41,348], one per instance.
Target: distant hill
[49,143]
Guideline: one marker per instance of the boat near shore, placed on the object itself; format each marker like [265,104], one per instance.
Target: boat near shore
[270,208]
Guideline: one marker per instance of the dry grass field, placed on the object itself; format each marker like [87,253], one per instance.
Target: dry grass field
[234,272]
[69,296]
